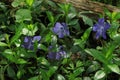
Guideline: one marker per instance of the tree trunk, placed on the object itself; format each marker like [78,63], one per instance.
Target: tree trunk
[88,5]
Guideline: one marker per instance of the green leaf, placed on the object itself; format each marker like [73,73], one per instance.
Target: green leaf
[16,3]
[71,15]
[73,22]
[79,63]
[117,16]
[48,37]
[3,44]
[110,51]
[65,8]
[20,73]
[92,68]
[43,47]
[43,61]
[117,39]
[3,6]
[78,71]
[71,76]
[11,72]
[50,16]
[80,43]
[86,34]
[99,75]
[51,3]
[9,54]
[114,68]
[86,78]
[29,2]
[23,14]
[60,77]
[17,34]
[52,70]
[113,29]
[108,13]
[34,78]
[97,54]
[87,21]
[21,61]
[44,75]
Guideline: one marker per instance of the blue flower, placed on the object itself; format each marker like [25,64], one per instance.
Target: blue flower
[61,29]
[57,55]
[29,42]
[100,28]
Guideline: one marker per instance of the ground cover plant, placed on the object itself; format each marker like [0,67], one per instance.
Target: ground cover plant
[43,40]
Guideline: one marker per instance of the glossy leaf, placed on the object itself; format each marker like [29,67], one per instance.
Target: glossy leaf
[23,15]
[97,54]
[87,21]
[115,68]
[21,61]
[17,34]
[9,54]
[51,71]
[99,75]
[86,34]
[60,77]
[50,16]
[29,2]
[16,3]
[3,44]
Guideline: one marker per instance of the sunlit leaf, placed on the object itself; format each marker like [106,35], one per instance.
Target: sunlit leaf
[99,75]
[52,70]
[86,34]
[50,16]
[96,54]
[17,34]
[23,14]
[3,44]
[21,61]
[87,21]
[29,2]
[34,78]
[16,3]
[9,54]
[43,47]
[60,77]
[114,68]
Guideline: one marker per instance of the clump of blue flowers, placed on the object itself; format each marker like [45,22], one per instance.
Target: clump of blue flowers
[56,55]
[100,28]
[29,42]
[61,29]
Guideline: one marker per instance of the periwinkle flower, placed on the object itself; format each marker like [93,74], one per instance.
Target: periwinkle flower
[100,28]
[29,42]
[57,55]
[61,29]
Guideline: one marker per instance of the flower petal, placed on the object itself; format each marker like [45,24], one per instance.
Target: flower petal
[60,34]
[61,29]
[27,39]
[58,56]
[95,27]
[51,55]
[104,35]
[107,26]
[57,27]
[97,35]
[101,21]
[36,38]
